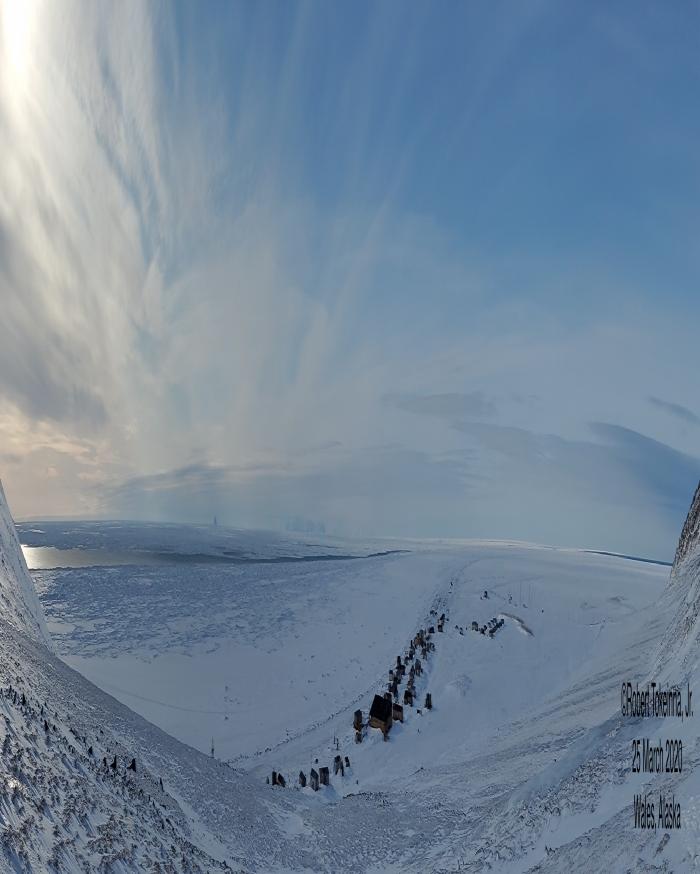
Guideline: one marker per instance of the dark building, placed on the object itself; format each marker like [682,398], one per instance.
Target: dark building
[380,713]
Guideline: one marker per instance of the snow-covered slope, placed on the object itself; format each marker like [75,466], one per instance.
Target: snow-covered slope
[690,535]
[679,647]
[19,604]
[523,764]
[522,752]
[70,802]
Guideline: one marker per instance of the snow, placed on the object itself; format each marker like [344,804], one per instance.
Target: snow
[18,601]
[293,643]
[522,764]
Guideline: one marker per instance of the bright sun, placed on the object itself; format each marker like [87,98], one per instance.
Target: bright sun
[17,19]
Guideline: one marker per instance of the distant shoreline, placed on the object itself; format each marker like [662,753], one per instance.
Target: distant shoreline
[41,558]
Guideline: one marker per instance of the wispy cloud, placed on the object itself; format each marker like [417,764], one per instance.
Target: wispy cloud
[623,488]
[677,410]
[241,268]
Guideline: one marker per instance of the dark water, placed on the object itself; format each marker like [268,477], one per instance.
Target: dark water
[50,558]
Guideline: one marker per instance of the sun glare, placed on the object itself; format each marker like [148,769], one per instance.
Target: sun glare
[17,19]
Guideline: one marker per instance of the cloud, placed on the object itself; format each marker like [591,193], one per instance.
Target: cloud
[231,263]
[677,410]
[666,473]
[449,406]
[624,488]
[359,492]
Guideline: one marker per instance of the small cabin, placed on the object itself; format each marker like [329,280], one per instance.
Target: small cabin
[380,713]
[313,779]
[408,697]
[302,779]
[324,776]
[357,720]
[397,713]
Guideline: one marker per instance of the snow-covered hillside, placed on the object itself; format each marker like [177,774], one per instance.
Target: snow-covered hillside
[689,541]
[252,656]
[19,604]
[69,801]
[523,763]
[679,648]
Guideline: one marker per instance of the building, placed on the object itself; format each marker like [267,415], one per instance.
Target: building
[380,713]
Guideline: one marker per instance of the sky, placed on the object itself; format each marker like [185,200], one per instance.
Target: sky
[383,269]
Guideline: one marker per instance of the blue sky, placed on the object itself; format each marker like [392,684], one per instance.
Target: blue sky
[399,269]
